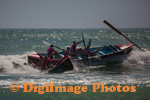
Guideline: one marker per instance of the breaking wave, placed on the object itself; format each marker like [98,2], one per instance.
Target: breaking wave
[138,57]
[6,64]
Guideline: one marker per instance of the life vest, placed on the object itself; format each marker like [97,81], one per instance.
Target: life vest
[73,48]
[48,61]
[49,51]
[51,59]
[88,52]
[65,53]
[32,64]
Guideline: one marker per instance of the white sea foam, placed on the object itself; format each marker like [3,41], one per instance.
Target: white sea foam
[138,57]
[76,79]
[6,65]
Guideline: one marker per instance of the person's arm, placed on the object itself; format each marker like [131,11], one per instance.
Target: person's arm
[72,53]
[98,50]
[79,42]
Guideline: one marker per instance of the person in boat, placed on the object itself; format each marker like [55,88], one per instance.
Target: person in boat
[89,53]
[74,49]
[68,52]
[47,62]
[51,62]
[51,51]
[32,64]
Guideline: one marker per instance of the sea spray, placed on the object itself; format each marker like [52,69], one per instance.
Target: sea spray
[6,63]
[138,57]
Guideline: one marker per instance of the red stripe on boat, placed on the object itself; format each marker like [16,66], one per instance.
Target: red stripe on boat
[125,46]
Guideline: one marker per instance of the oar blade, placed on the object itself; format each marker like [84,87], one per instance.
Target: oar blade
[83,41]
[46,43]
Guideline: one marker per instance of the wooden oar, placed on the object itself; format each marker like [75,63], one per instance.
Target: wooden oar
[89,44]
[107,23]
[85,49]
[83,41]
[46,43]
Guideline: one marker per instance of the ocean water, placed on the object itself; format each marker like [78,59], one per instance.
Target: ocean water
[16,44]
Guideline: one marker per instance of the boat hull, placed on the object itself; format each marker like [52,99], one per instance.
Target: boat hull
[109,54]
[63,64]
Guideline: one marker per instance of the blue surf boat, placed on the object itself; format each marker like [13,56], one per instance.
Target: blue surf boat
[108,54]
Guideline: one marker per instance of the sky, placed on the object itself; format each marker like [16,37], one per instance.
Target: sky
[74,13]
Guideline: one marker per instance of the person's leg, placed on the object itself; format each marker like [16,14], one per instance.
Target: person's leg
[52,66]
[81,51]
